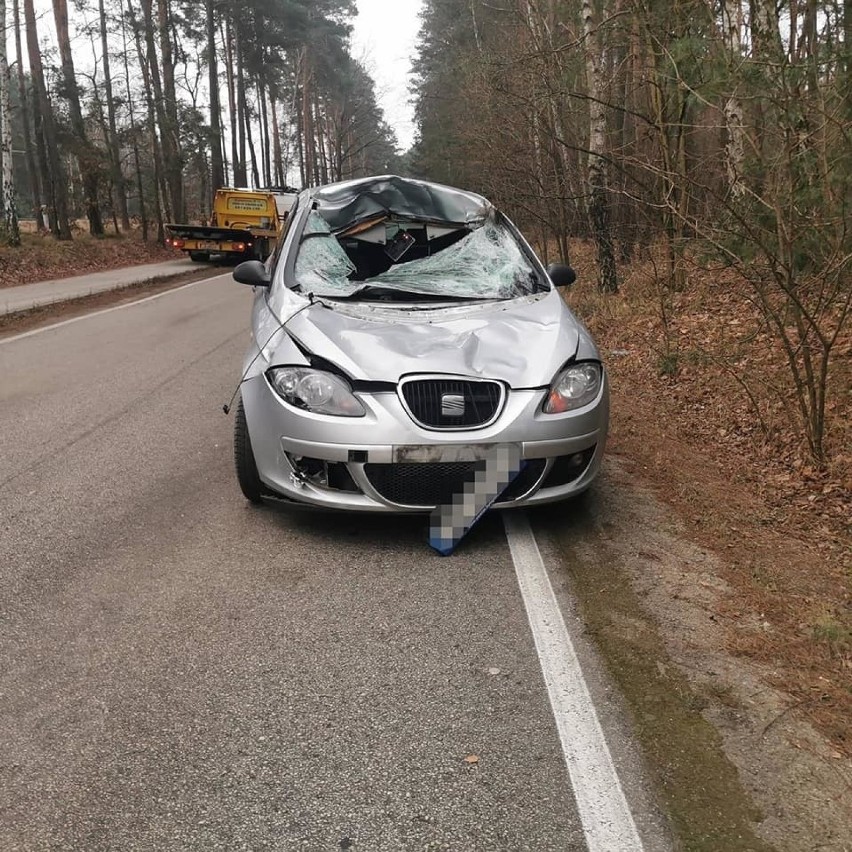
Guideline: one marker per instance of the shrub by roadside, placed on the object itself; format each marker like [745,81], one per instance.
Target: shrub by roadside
[701,412]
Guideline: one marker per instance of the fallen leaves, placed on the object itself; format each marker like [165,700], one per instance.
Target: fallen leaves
[42,258]
[696,437]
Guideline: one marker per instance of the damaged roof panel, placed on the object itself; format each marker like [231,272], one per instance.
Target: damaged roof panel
[346,204]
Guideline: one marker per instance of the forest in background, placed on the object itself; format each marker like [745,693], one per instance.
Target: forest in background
[711,135]
[672,135]
[142,108]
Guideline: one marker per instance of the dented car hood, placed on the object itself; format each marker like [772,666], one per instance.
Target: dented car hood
[522,342]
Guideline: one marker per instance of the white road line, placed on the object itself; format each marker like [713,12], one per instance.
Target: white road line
[604,813]
[105,310]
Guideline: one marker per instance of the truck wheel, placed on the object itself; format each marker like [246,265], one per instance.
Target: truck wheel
[199,256]
[247,474]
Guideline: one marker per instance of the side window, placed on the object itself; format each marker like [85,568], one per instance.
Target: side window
[272,260]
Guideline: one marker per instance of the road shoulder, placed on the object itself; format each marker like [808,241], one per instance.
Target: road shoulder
[736,769]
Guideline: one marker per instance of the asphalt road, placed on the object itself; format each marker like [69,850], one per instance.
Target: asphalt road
[179,670]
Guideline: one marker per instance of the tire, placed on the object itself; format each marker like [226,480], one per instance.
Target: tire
[199,256]
[247,474]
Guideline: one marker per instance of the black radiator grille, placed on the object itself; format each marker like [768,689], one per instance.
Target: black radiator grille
[425,399]
[434,483]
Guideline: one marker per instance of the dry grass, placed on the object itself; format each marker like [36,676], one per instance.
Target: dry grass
[42,258]
[690,372]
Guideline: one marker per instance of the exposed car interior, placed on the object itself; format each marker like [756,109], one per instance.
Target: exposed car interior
[379,246]
[395,258]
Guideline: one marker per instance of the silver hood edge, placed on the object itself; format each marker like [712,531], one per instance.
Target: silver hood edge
[522,342]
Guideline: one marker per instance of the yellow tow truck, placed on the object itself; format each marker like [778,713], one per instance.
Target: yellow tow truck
[244,225]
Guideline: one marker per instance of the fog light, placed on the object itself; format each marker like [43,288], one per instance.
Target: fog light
[567,469]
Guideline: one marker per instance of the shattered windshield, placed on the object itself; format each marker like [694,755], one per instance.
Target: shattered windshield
[385,256]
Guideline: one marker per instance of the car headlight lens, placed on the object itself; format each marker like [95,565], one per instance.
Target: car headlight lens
[574,387]
[315,390]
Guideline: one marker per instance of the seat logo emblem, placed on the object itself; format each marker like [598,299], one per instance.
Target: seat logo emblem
[452,405]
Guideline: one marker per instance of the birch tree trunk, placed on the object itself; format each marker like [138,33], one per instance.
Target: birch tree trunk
[10,212]
[598,179]
[735,142]
[32,172]
[847,50]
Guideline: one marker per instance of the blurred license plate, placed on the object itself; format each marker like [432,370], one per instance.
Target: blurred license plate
[208,244]
[443,452]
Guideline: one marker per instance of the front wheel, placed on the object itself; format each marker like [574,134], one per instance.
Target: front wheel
[247,474]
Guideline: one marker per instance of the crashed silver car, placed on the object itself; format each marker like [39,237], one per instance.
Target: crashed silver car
[401,331]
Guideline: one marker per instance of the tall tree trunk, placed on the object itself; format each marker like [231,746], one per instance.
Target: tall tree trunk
[148,79]
[7,196]
[238,163]
[217,169]
[32,172]
[100,115]
[118,180]
[86,154]
[264,126]
[49,202]
[598,184]
[57,190]
[242,110]
[308,141]
[277,169]
[140,188]
[250,137]
[226,174]
[322,175]
[735,141]
[174,167]
[171,171]
[846,85]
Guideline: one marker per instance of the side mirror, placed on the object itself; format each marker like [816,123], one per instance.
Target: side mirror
[253,273]
[560,274]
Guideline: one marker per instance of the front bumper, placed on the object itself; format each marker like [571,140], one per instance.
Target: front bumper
[334,462]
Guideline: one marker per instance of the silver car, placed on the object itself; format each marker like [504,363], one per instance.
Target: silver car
[401,331]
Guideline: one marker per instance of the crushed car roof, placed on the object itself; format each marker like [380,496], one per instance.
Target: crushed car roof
[345,204]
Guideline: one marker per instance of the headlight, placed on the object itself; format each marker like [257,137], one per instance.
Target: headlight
[315,390]
[574,387]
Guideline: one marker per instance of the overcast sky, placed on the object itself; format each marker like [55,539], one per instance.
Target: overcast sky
[384,38]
